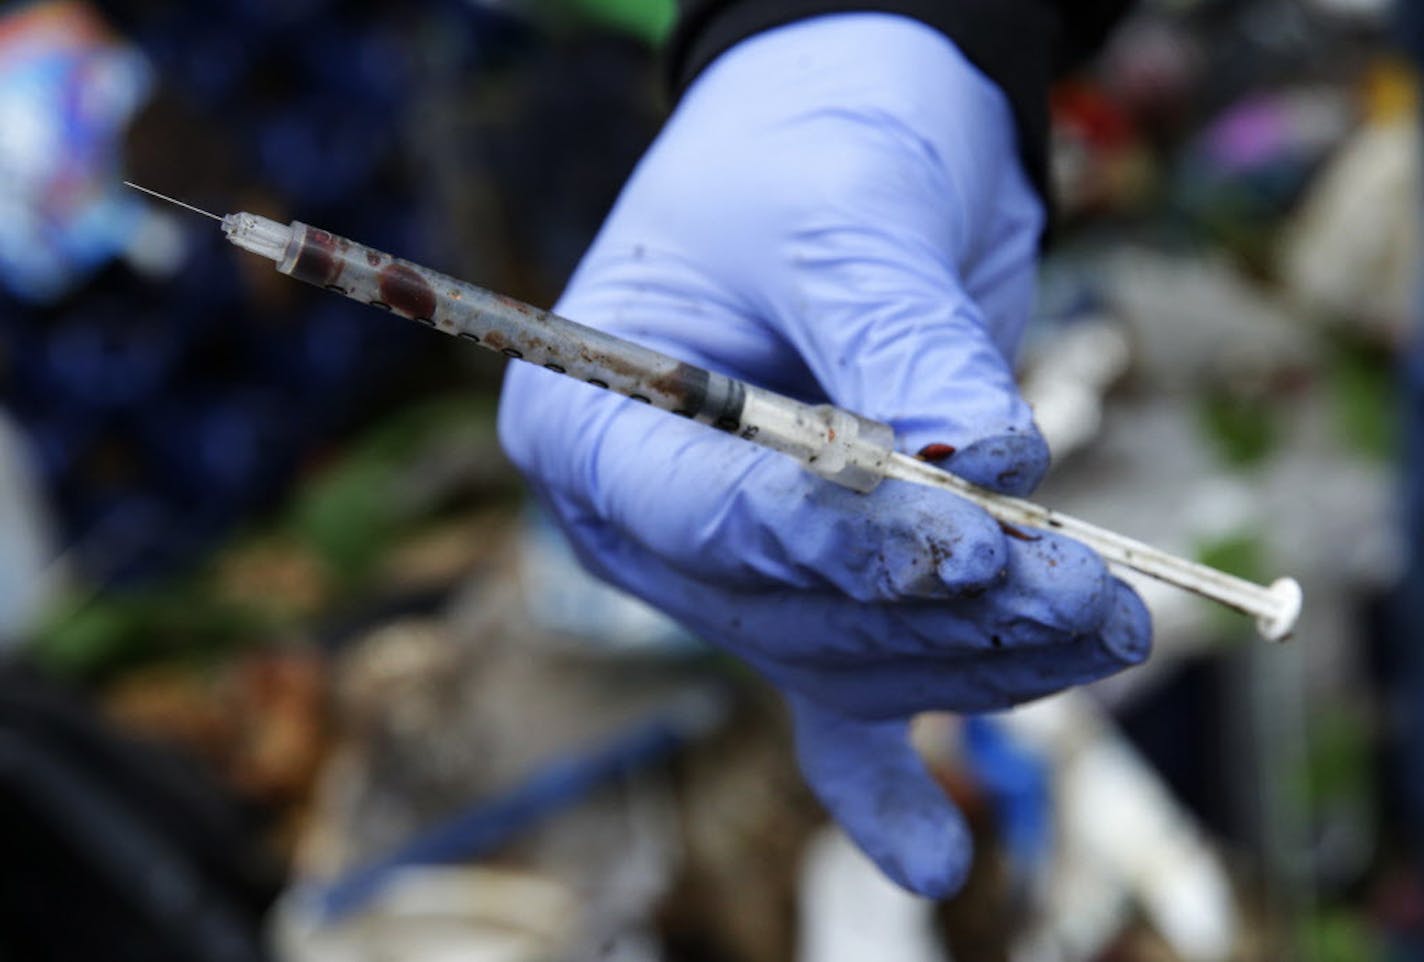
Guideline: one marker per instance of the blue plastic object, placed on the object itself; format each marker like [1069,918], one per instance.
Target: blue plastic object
[486,825]
[1018,782]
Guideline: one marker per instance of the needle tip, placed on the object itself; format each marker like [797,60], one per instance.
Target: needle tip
[196,210]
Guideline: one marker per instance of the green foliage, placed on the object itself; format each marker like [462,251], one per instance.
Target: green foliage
[1241,428]
[1339,935]
[352,513]
[1365,398]
[92,638]
[1239,553]
[1337,767]
[649,20]
[347,517]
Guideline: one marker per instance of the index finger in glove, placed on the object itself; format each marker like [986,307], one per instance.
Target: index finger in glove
[806,629]
[975,681]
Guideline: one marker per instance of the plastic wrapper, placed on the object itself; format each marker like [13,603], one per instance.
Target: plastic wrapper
[67,92]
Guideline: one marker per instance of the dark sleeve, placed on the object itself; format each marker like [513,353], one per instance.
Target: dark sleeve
[1019,44]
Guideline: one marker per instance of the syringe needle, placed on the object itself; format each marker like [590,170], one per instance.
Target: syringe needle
[836,444]
[196,210]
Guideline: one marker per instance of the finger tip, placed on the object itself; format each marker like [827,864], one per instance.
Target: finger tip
[876,786]
[1062,585]
[1127,633]
[937,870]
[1012,462]
[925,846]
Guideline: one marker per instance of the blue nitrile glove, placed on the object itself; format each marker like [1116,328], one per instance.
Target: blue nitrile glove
[835,211]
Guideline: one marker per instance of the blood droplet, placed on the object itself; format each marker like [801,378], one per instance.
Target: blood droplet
[406,291]
[935,453]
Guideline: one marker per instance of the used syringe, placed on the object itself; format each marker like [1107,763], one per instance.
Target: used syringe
[838,445]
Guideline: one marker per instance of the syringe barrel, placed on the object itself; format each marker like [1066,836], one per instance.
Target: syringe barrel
[844,447]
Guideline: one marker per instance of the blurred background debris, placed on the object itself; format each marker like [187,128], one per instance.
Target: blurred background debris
[292,671]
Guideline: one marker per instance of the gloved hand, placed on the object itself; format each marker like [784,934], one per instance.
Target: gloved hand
[835,211]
